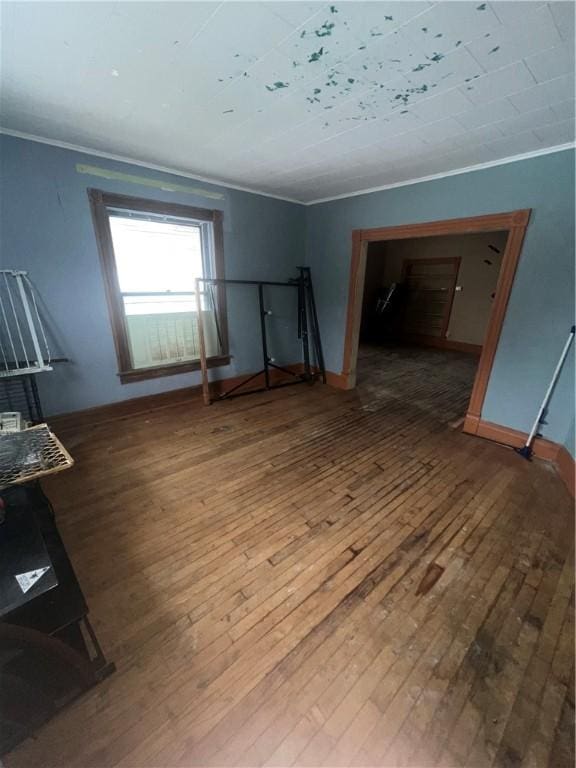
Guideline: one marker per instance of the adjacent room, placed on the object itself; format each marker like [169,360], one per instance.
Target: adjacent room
[287,383]
[426,307]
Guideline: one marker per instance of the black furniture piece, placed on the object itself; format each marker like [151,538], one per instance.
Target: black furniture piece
[20,393]
[49,654]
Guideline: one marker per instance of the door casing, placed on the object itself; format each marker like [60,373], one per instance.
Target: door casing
[514,223]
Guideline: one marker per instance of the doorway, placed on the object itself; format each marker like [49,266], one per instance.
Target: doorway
[449,319]
[425,311]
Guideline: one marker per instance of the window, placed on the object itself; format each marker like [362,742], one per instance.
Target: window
[151,255]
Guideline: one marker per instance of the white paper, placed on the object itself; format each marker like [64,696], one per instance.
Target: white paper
[28,579]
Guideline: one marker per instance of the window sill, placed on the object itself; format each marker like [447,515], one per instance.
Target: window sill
[142,374]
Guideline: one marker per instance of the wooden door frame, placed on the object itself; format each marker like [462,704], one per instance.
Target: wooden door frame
[514,223]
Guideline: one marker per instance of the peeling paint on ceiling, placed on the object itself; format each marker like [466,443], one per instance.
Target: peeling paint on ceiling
[301,99]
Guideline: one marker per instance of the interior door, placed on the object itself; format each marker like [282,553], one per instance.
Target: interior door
[430,286]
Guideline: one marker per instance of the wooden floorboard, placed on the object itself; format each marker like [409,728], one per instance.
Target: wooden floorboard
[253,567]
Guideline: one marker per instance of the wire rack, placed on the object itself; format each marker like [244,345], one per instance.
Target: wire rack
[23,342]
[31,454]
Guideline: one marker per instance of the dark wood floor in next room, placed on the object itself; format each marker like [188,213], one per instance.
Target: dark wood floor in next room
[253,569]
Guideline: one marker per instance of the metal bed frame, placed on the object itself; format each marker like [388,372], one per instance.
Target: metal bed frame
[308,333]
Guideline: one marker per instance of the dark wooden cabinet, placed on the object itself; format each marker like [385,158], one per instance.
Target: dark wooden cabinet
[49,654]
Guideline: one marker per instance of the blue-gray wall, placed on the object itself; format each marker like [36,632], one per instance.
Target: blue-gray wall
[541,308]
[46,228]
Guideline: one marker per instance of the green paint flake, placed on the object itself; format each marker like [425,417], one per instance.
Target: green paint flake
[351,80]
[227,111]
[316,56]
[333,9]
[494,50]
[404,112]
[388,18]
[325,30]
[481,7]
[458,42]
[424,29]
[276,86]
[362,48]
[302,34]
[403,97]
[420,67]
[396,61]
[375,34]
[436,57]
[317,90]
[438,35]
[364,66]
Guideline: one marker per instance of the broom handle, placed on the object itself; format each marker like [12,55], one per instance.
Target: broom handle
[551,385]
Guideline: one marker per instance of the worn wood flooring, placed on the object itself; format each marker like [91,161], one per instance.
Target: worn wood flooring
[252,569]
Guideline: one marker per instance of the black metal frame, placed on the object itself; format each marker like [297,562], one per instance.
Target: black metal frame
[20,393]
[307,330]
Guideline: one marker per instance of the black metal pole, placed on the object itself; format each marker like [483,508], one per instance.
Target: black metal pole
[263,329]
[229,392]
[299,309]
[27,386]
[304,326]
[224,281]
[316,329]
[215,310]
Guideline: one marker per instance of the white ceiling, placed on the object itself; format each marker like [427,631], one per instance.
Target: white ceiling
[303,100]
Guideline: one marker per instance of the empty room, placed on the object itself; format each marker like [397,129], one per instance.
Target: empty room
[287,384]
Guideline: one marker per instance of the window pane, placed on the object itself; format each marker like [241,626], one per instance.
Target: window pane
[156,255]
[171,337]
[158,305]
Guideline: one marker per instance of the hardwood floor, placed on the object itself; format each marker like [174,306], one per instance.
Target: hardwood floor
[253,568]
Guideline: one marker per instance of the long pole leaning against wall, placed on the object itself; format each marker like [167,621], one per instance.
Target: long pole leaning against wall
[202,340]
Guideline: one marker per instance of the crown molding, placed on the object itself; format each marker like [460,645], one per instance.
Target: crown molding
[142,164]
[456,172]
[236,187]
